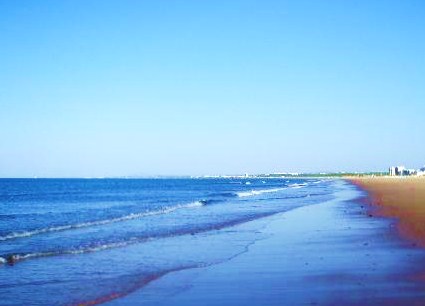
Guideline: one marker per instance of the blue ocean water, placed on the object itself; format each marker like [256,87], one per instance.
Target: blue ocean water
[87,241]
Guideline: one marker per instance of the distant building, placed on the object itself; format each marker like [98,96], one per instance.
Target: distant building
[402,171]
[409,172]
[399,170]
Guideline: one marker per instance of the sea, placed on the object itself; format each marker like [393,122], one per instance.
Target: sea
[91,241]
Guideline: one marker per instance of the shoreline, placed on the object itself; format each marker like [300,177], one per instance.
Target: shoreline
[400,198]
[324,254]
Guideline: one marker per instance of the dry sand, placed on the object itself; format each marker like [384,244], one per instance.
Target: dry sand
[402,198]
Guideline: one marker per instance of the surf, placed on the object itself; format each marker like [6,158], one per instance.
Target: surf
[132,216]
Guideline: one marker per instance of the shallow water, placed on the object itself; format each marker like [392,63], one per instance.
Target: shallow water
[93,240]
[331,253]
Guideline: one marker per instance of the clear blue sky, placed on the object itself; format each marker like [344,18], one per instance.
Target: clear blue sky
[113,88]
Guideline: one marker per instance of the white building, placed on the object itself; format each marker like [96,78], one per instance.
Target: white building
[402,171]
[421,171]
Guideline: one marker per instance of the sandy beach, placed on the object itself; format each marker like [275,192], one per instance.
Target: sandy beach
[402,198]
[327,254]
[316,242]
[212,153]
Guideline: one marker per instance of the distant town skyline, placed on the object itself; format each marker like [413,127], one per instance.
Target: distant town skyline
[142,88]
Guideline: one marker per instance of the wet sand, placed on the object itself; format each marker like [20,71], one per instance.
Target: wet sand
[402,198]
[327,254]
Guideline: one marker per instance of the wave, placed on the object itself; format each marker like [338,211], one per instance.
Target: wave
[224,194]
[13,258]
[296,185]
[211,201]
[17,257]
[258,192]
[131,216]
[261,191]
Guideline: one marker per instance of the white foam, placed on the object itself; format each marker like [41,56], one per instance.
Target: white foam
[19,257]
[257,192]
[297,186]
[100,222]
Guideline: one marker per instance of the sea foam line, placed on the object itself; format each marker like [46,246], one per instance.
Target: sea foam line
[14,258]
[17,257]
[258,192]
[131,216]
[297,186]
[261,191]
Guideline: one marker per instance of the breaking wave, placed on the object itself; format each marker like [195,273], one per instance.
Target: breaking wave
[17,257]
[296,186]
[258,192]
[128,217]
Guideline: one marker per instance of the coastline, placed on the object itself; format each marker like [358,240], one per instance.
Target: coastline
[325,245]
[401,198]
[323,254]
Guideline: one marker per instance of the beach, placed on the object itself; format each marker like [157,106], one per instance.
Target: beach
[332,253]
[254,242]
[212,153]
[401,198]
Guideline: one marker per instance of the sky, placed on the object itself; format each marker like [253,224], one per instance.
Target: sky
[141,88]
